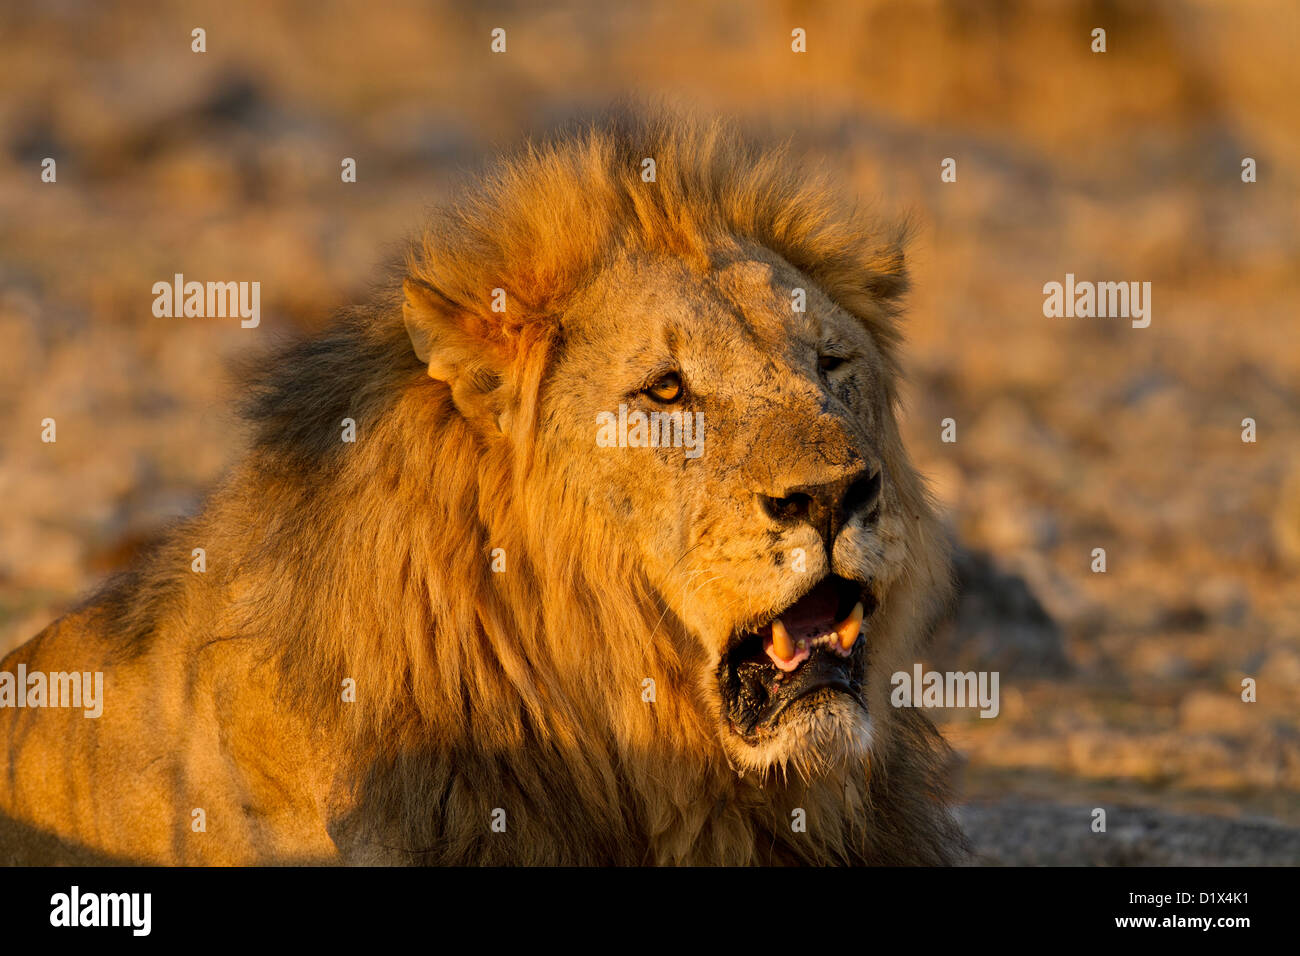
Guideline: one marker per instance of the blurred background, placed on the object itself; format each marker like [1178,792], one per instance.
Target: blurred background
[1119,690]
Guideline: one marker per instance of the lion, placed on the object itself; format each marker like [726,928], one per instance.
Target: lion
[614,571]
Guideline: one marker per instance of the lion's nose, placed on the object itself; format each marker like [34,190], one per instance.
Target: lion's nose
[828,506]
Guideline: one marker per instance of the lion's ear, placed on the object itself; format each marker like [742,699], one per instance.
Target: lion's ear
[886,277]
[471,366]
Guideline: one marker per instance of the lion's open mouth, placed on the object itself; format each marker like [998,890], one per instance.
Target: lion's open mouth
[813,645]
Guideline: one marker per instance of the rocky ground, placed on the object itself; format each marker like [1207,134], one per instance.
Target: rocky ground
[1119,690]
[1013,831]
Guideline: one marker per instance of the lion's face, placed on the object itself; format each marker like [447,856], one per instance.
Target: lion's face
[767,517]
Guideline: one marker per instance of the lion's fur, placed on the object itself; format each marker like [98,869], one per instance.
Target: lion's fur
[542,225]
[475,690]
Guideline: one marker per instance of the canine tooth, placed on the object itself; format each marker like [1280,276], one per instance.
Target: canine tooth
[849,629]
[781,643]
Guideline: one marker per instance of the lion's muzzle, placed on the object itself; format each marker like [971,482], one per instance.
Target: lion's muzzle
[812,646]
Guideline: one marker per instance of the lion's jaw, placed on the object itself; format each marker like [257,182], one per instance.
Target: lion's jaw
[813,711]
[791,684]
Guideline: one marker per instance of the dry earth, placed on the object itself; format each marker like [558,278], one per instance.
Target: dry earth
[1119,690]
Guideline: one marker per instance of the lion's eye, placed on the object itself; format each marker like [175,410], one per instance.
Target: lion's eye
[829,363]
[666,388]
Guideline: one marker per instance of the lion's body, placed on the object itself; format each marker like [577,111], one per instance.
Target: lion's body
[500,712]
[183,735]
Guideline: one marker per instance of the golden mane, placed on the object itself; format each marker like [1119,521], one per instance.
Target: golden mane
[543,222]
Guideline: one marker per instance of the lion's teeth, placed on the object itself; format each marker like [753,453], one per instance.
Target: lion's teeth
[849,629]
[782,646]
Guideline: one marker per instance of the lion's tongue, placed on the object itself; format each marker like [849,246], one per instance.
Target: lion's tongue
[811,617]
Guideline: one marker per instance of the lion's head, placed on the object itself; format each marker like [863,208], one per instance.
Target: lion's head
[680,355]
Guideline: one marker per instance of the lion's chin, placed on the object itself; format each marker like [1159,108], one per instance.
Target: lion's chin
[824,732]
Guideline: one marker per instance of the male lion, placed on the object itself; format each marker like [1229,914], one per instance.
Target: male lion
[480,633]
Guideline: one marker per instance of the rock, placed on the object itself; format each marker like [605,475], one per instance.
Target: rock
[1019,832]
[998,624]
